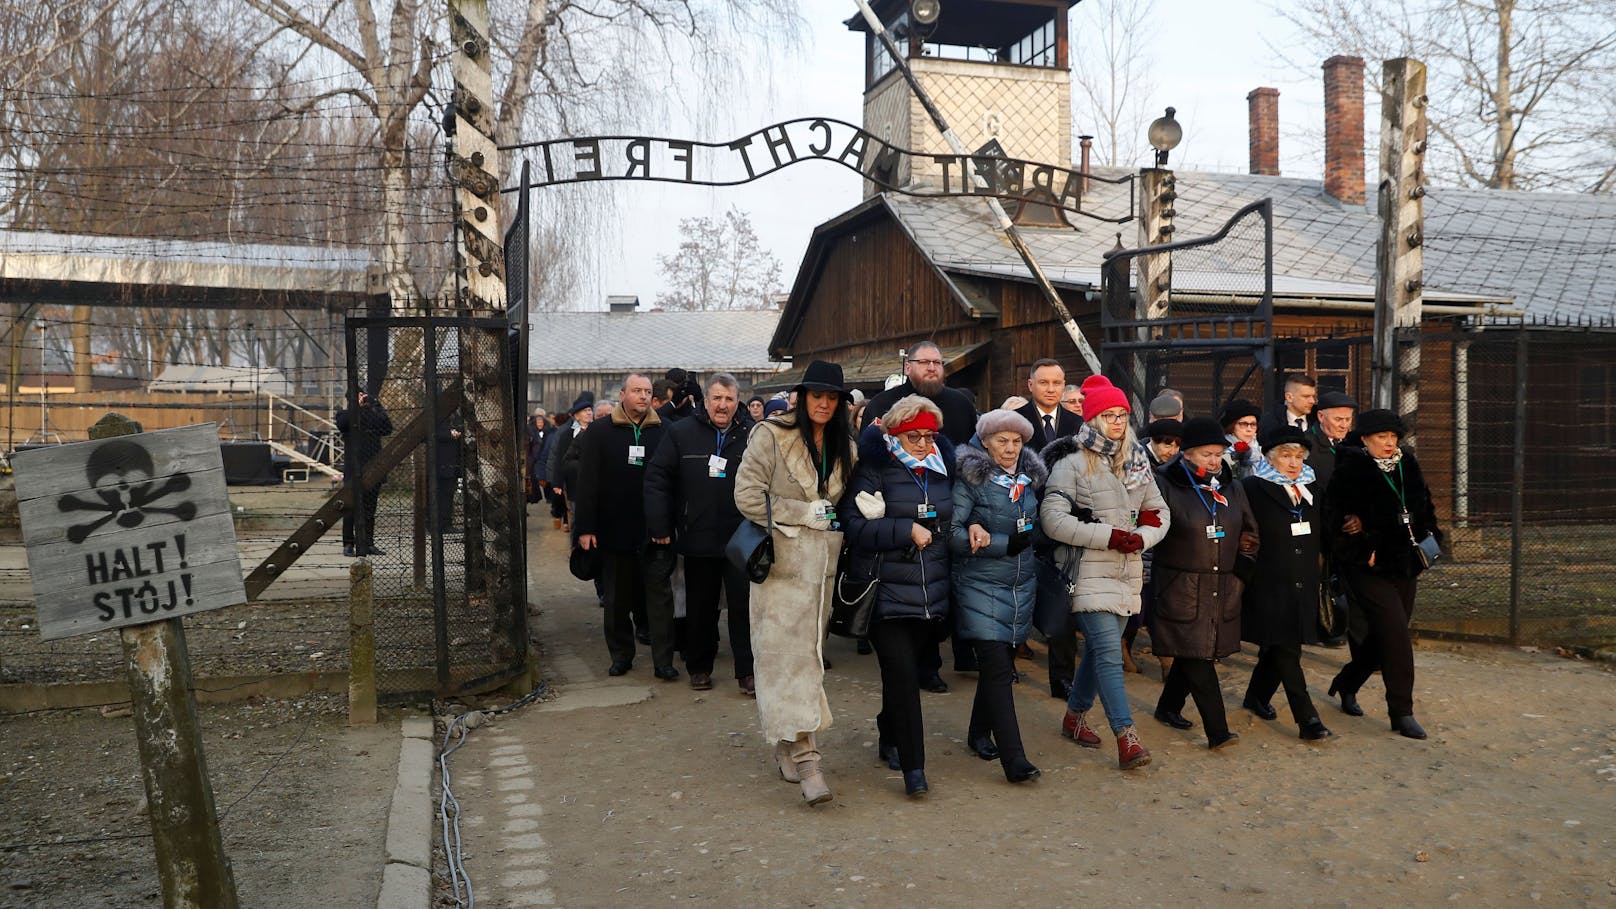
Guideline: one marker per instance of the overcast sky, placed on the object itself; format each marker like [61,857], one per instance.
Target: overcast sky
[1208,56]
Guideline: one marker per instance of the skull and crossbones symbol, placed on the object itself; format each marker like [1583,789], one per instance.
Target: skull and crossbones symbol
[121,474]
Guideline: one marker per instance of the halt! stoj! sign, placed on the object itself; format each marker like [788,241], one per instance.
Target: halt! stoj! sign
[128,530]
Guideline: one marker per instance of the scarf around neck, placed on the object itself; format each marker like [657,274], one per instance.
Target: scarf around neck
[1266,471]
[1136,470]
[1387,465]
[1208,484]
[932,462]
[1015,485]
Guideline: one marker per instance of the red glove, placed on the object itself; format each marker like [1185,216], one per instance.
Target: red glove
[1149,518]
[1123,541]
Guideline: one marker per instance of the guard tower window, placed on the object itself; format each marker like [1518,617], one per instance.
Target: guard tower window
[1027,33]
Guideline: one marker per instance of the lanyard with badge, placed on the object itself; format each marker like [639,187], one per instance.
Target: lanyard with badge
[636,452]
[717,464]
[1299,527]
[1402,501]
[925,510]
[1214,530]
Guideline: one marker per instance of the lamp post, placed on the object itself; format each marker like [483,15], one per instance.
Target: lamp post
[1164,136]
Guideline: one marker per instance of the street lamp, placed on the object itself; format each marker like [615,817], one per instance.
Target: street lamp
[1164,136]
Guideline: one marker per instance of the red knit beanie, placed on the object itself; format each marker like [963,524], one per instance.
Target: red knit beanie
[1093,382]
[1102,398]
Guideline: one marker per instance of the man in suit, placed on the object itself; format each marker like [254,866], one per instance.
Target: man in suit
[1050,421]
[1301,393]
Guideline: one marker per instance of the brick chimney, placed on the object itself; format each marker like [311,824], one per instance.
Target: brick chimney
[1263,104]
[1344,129]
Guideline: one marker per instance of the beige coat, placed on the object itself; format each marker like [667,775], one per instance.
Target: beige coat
[791,609]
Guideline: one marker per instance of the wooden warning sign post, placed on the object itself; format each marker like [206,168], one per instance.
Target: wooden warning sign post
[132,530]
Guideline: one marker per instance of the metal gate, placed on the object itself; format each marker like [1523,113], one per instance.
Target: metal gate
[443,529]
[1203,322]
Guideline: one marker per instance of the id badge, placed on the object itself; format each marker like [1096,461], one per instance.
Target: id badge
[1406,518]
[716,466]
[636,456]
[925,510]
[1214,531]
[828,512]
[1301,529]
[1024,525]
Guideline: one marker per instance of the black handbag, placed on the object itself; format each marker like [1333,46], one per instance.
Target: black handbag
[1057,584]
[1335,606]
[751,548]
[852,606]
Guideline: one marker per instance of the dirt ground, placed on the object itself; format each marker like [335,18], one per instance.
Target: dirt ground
[303,800]
[632,792]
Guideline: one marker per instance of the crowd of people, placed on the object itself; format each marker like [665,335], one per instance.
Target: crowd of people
[1061,511]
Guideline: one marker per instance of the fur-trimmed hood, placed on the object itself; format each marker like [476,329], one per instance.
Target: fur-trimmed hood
[974,465]
[1060,448]
[872,447]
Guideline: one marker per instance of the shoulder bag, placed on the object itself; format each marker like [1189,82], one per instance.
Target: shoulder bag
[751,548]
[852,607]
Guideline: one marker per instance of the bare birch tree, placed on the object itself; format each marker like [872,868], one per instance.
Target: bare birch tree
[1519,89]
[1111,78]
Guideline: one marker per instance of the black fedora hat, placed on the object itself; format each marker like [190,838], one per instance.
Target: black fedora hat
[822,375]
[584,563]
[584,401]
[1333,399]
[1237,410]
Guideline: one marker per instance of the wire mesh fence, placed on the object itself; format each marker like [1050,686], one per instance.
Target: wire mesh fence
[1514,433]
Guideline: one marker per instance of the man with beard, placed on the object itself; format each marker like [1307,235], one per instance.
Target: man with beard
[923,370]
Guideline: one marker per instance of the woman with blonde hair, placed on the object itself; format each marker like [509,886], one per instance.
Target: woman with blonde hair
[1102,501]
[795,468]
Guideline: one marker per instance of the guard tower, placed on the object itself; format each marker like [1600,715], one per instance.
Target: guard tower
[997,69]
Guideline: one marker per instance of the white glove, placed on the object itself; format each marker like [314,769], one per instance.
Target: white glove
[824,512]
[871,505]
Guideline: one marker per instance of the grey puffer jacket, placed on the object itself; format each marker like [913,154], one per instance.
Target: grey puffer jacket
[1082,484]
[994,590]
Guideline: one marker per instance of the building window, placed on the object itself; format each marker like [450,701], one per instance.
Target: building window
[881,62]
[1330,363]
[1036,49]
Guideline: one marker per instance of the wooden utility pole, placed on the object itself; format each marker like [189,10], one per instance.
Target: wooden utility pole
[1399,257]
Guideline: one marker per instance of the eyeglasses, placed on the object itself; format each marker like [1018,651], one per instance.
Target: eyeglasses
[915,437]
[1246,424]
[927,362]
[1115,418]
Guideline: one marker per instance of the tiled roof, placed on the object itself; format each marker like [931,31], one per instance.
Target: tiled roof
[1553,254]
[698,341]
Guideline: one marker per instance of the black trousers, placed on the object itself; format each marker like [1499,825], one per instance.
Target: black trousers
[446,501]
[705,578]
[1281,664]
[350,529]
[994,709]
[1196,678]
[1387,605]
[1063,656]
[638,580]
[558,502]
[899,644]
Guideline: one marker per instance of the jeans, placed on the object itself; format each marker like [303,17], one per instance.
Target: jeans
[1100,671]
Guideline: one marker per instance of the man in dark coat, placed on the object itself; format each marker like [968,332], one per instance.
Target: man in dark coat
[924,370]
[683,396]
[1050,421]
[610,504]
[362,429]
[578,419]
[450,442]
[690,504]
[538,433]
[1332,420]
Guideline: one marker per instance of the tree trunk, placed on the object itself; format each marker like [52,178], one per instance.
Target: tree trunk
[1503,97]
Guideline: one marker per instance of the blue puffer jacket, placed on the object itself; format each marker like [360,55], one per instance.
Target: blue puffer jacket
[994,591]
[914,583]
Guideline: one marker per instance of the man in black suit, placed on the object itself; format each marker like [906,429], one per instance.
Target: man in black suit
[1301,393]
[1049,420]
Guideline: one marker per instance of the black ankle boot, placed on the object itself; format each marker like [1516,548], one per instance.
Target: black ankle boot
[1406,726]
[914,783]
[1349,699]
[982,746]
[1020,770]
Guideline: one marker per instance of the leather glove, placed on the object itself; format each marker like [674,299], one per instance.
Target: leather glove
[1248,543]
[1149,518]
[1018,542]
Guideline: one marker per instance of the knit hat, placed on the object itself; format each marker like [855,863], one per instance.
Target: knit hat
[1098,399]
[1332,399]
[1379,420]
[1165,429]
[996,421]
[1093,382]
[1238,410]
[1200,431]
[775,406]
[1284,434]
